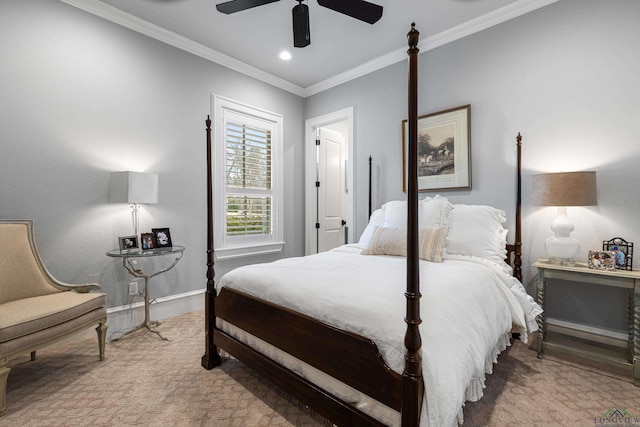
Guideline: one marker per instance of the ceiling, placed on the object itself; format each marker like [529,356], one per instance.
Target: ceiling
[341,47]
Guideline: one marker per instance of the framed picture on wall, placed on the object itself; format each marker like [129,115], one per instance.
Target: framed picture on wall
[444,150]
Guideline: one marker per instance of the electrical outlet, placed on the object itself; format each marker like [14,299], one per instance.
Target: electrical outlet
[133,288]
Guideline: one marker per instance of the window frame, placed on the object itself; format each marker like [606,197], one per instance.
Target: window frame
[226,247]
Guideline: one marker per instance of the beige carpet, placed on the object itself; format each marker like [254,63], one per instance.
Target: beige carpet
[145,381]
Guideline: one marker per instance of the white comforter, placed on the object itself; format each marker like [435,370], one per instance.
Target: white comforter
[468,308]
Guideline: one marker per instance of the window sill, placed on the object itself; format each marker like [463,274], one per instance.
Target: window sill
[248,250]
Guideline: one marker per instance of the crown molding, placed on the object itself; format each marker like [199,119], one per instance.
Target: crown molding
[146,28]
[468,28]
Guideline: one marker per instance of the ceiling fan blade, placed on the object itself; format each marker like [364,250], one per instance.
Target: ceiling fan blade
[359,9]
[234,6]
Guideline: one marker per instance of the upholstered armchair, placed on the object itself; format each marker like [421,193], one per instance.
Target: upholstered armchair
[37,310]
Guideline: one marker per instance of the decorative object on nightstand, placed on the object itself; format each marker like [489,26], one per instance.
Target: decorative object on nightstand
[147,241]
[163,237]
[623,251]
[135,188]
[128,243]
[602,260]
[561,190]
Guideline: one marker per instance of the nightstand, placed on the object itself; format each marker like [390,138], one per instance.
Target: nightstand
[581,273]
[129,261]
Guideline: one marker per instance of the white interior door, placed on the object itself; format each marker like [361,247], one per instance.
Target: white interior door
[331,189]
[343,122]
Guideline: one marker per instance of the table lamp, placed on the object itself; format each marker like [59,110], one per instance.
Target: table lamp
[561,190]
[134,188]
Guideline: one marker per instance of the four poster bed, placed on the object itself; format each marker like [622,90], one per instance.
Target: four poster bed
[339,331]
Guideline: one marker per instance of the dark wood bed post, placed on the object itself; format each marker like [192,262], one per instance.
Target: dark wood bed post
[370,185]
[412,383]
[211,358]
[517,261]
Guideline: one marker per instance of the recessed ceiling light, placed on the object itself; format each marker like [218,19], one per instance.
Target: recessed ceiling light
[284,55]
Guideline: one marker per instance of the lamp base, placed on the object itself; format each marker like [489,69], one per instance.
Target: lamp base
[563,249]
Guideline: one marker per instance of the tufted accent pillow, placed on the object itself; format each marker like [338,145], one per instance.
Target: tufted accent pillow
[393,241]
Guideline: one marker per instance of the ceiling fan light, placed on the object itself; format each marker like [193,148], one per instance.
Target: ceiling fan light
[301,31]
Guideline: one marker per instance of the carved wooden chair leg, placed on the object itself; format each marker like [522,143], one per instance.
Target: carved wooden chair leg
[4,373]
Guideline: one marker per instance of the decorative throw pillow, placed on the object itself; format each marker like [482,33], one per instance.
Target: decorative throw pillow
[393,241]
[432,241]
[387,241]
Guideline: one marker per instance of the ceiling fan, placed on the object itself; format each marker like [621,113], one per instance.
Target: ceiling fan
[359,9]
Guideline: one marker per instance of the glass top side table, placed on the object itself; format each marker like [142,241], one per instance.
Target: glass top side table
[129,262]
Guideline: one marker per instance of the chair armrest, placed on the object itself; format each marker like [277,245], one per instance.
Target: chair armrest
[81,289]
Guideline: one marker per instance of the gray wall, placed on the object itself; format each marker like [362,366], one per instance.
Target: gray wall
[82,97]
[566,77]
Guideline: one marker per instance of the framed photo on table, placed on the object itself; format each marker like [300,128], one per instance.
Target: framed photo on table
[148,241]
[602,260]
[163,237]
[444,150]
[623,251]
[128,243]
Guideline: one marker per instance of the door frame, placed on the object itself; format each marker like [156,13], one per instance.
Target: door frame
[348,115]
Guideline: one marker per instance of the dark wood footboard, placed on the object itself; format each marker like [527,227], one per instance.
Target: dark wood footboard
[338,411]
[345,356]
[348,357]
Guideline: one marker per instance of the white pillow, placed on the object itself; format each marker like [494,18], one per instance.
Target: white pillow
[395,214]
[476,230]
[432,213]
[376,219]
[436,211]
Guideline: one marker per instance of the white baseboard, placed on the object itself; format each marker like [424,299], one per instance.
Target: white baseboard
[123,318]
[599,335]
[126,317]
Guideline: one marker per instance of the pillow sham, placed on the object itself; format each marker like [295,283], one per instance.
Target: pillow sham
[376,219]
[476,230]
[395,214]
[436,211]
[432,213]
[393,241]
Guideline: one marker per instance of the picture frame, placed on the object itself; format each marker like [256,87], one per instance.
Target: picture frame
[602,260]
[148,241]
[128,243]
[444,150]
[163,237]
[623,251]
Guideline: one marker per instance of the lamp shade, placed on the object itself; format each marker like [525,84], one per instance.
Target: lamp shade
[561,190]
[564,189]
[133,187]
